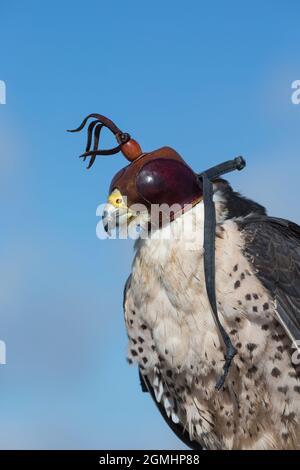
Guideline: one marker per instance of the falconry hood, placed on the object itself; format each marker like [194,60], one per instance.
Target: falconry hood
[157,177]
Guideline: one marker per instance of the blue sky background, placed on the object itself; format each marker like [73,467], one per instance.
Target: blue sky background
[211,79]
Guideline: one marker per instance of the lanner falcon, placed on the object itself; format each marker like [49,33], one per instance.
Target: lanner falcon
[174,337]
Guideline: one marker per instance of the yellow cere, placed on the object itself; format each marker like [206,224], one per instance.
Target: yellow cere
[116,199]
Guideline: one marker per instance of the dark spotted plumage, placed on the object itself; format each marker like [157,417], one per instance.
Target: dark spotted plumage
[175,344]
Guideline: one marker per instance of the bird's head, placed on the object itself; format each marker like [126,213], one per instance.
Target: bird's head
[153,189]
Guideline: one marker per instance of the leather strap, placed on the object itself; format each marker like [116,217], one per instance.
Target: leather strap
[209,251]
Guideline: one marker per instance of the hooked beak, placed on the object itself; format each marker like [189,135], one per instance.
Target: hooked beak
[115,212]
[114,217]
[118,216]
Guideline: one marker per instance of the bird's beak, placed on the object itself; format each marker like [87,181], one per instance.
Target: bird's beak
[113,218]
[116,213]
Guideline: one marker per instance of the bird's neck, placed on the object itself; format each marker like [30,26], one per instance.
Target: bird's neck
[181,237]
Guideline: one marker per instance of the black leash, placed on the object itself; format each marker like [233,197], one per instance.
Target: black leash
[209,251]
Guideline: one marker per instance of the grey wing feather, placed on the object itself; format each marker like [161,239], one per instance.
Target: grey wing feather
[273,247]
